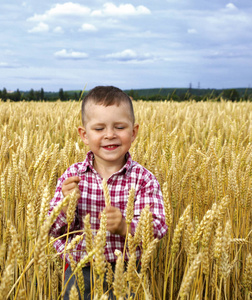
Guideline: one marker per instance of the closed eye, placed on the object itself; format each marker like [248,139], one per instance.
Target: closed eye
[98,129]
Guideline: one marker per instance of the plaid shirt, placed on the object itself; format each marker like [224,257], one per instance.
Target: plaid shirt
[132,174]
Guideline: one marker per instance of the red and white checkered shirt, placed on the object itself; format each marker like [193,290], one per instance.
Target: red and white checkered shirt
[92,201]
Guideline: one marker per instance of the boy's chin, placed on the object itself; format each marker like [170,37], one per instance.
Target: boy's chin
[110,157]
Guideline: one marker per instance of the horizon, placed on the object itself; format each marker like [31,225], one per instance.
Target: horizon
[136,89]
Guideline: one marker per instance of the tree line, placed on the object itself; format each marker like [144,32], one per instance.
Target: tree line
[181,94]
[38,95]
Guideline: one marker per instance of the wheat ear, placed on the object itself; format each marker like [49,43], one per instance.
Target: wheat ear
[190,275]
[119,289]
[106,192]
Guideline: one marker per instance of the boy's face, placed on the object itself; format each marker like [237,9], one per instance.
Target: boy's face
[109,132]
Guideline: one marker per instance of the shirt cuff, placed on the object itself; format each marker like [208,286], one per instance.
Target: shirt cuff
[61,220]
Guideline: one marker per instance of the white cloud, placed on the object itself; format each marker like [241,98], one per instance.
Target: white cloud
[5,65]
[59,10]
[88,27]
[110,9]
[231,6]
[237,52]
[58,29]
[124,55]
[64,54]
[129,55]
[41,27]
[192,31]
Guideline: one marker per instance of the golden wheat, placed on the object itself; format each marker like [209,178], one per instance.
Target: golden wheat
[201,153]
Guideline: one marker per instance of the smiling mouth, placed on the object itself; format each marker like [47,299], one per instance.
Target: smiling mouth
[110,147]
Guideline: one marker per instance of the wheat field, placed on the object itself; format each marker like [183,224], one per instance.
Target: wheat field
[201,154]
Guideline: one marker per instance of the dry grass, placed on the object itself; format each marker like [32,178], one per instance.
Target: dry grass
[201,154]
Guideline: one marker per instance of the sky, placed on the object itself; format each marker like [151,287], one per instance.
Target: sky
[129,44]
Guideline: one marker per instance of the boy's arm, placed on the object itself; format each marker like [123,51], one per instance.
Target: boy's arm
[68,186]
[150,193]
[59,226]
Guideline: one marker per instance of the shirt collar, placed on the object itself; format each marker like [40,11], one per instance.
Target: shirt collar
[88,163]
[128,163]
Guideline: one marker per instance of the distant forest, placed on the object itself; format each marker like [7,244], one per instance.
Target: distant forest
[155,94]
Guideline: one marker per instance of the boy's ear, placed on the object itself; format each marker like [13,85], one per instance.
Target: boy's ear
[83,134]
[134,133]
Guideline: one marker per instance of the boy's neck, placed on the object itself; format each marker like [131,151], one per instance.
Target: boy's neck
[108,169]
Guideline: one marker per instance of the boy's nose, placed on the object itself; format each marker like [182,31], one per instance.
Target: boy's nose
[110,133]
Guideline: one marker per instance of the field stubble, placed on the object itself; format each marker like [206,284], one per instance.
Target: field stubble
[201,154]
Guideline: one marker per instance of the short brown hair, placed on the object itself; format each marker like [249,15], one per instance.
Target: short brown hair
[106,95]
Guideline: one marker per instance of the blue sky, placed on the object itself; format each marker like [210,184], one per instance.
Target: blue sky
[130,44]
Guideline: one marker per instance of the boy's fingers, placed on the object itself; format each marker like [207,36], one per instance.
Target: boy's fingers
[71,186]
[110,209]
[113,212]
[76,179]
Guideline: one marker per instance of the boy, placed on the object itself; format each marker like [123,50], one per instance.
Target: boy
[108,129]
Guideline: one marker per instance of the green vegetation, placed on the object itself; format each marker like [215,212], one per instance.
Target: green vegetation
[155,94]
[181,94]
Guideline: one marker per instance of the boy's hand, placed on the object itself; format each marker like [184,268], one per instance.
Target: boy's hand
[68,186]
[116,224]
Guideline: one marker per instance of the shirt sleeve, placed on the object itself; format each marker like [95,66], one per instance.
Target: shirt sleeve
[150,193]
[59,227]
